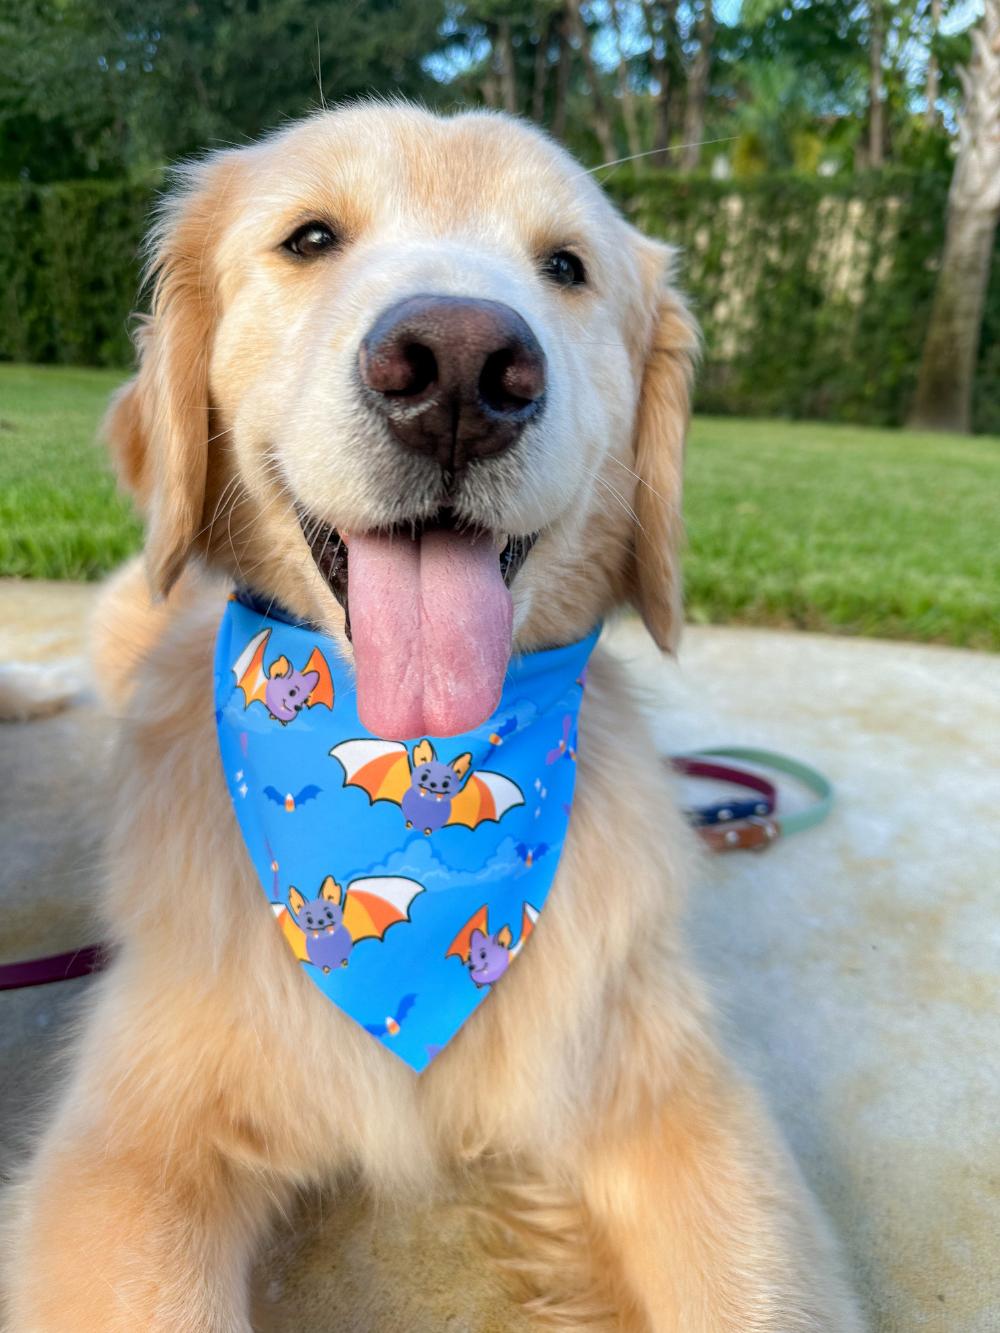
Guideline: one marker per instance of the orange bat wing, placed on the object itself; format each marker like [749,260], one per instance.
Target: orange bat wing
[291,931]
[380,768]
[249,671]
[323,693]
[486,796]
[462,942]
[373,905]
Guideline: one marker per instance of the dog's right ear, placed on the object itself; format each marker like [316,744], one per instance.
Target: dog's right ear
[158,423]
[661,425]
[295,901]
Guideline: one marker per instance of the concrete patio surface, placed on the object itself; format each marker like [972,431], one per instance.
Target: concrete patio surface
[857,965]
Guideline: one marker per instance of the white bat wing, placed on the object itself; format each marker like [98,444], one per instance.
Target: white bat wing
[396,890]
[506,794]
[529,915]
[354,755]
[244,662]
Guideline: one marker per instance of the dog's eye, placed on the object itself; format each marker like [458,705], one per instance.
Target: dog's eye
[309,240]
[565,269]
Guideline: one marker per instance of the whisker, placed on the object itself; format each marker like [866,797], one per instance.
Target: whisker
[672,504]
[225,495]
[671,148]
[616,494]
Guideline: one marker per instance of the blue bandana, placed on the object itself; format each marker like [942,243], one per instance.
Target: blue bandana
[405,877]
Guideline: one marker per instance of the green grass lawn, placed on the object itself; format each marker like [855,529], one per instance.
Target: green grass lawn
[61,516]
[851,530]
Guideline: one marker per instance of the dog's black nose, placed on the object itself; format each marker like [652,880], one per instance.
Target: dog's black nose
[455,378]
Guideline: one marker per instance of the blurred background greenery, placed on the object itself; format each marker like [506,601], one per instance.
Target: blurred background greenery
[821,164]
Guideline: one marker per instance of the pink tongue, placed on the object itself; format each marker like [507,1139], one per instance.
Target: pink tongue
[431,623]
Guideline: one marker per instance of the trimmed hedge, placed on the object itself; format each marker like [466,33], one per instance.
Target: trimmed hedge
[69,266]
[813,294]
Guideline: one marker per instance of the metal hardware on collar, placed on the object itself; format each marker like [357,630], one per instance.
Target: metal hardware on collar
[731,809]
[744,835]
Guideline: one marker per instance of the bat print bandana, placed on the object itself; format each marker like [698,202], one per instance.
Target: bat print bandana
[406,875]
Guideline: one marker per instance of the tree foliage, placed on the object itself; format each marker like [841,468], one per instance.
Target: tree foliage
[118,87]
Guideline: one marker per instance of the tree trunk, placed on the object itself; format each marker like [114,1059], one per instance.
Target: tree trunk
[625,90]
[947,369]
[697,93]
[876,86]
[661,73]
[563,70]
[602,122]
[933,70]
[488,89]
[540,73]
[505,58]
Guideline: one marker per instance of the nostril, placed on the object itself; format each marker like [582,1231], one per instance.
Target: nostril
[511,380]
[398,368]
[423,368]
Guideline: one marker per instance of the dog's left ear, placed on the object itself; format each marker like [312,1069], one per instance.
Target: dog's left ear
[158,424]
[670,353]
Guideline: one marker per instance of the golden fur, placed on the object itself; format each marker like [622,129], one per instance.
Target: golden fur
[632,1171]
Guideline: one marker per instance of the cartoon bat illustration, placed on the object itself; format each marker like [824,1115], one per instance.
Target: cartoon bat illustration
[430,794]
[566,749]
[529,855]
[282,689]
[390,1026]
[488,956]
[289,801]
[324,930]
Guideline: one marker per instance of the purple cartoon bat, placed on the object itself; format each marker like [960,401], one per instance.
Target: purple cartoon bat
[281,688]
[488,956]
[433,786]
[328,941]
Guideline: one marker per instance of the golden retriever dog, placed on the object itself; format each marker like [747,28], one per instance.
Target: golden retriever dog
[380,320]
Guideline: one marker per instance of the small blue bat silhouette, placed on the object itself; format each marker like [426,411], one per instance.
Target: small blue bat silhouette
[529,855]
[496,738]
[389,1027]
[289,801]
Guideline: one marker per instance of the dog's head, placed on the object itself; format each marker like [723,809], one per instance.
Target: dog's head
[419,371]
